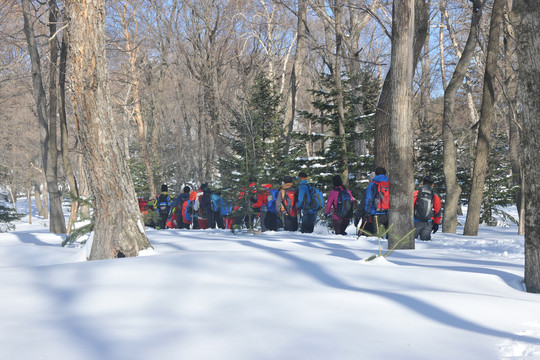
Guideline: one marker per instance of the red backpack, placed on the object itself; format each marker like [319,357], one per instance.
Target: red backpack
[381,200]
[289,201]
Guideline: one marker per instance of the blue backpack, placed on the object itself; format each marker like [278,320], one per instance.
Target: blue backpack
[314,199]
[344,208]
[226,209]
[216,202]
[188,211]
[272,200]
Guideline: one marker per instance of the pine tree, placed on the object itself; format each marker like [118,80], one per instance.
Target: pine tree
[359,106]
[256,143]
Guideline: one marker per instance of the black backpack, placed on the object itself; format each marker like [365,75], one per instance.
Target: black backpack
[163,204]
[344,209]
[423,208]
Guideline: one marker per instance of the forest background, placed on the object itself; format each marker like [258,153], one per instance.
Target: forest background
[217,91]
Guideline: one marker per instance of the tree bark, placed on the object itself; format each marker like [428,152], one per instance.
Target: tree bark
[527,22]
[384,105]
[453,190]
[48,147]
[68,168]
[343,166]
[401,144]
[118,227]
[486,118]
[296,73]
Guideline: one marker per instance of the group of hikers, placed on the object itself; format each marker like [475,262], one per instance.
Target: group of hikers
[290,207]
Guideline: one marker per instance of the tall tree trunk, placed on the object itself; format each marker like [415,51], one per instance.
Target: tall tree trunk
[68,168]
[384,105]
[343,166]
[132,51]
[119,227]
[453,190]
[401,144]
[48,148]
[296,73]
[514,133]
[486,118]
[527,20]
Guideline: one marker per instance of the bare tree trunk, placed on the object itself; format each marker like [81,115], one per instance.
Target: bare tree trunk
[37,198]
[486,118]
[48,147]
[68,168]
[338,10]
[401,144]
[119,227]
[527,20]
[30,204]
[384,105]
[453,190]
[132,51]
[514,128]
[296,73]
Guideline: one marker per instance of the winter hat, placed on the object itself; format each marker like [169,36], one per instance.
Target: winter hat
[204,186]
[187,189]
[287,179]
[337,181]
[302,175]
[164,188]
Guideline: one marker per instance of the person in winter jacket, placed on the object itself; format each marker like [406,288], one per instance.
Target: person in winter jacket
[427,210]
[362,220]
[308,214]
[377,216]
[216,204]
[340,224]
[179,204]
[247,199]
[204,206]
[262,205]
[286,204]
[163,206]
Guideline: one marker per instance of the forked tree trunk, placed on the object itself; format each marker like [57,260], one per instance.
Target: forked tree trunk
[119,227]
[453,190]
[401,143]
[384,105]
[486,119]
[527,22]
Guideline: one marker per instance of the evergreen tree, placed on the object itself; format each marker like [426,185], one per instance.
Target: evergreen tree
[256,144]
[7,215]
[359,106]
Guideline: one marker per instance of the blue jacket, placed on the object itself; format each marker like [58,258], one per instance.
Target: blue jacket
[303,192]
[371,192]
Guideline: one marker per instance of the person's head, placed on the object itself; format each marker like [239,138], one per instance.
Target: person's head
[337,181]
[428,180]
[302,175]
[204,186]
[187,189]
[380,171]
[164,188]
[252,179]
[287,180]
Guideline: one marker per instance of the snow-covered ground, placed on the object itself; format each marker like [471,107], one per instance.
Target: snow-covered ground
[210,294]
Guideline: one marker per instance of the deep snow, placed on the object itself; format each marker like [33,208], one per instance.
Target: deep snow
[210,294]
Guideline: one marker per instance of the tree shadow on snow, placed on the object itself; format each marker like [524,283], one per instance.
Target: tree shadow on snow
[423,308]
